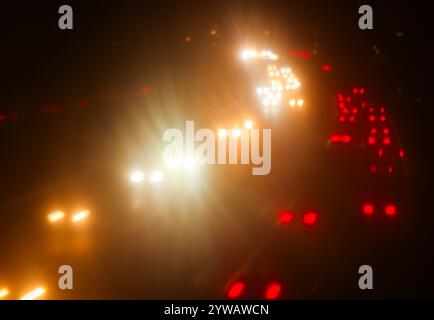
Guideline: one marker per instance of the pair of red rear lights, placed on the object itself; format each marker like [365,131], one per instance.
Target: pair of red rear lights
[309,218]
[369,209]
[360,91]
[272,291]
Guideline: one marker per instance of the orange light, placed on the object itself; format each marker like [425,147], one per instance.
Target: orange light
[273,291]
[236,290]
[4,292]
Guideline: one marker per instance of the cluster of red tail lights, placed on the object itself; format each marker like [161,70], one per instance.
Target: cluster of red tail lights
[308,218]
[362,116]
[368,209]
[272,291]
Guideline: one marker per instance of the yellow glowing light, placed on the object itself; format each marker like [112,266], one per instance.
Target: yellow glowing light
[3,293]
[34,294]
[137,176]
[292,103]
[236,133]
[300,102]
[222,133]
[56,216]
[248,124]
[155,176]
[81,215]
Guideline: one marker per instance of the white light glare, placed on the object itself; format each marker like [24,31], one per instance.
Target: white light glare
[137,176]
[81,215]
[34,294]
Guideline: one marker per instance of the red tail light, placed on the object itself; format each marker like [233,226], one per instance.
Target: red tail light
[401,153]
[236,290]
[362,91]
[286,217]
[326,67]
[273,291]
[380,152]
[346,139]
[390,210]
[373,130]
[371,140]
[371,118]
[386,131]
[386,140]
[355,91]
[341,119]
[310,218]
[373,168]
[390,169]
[368,209]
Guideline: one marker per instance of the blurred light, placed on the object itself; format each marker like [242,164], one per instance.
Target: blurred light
[382,110]
[3,293]
[222,133]
[273,291]
[362,91]
[326,67]
[292,102]
[300,102]
[236,290]
[373,130]
[345,111]
[341,118]
[401,153]
[335,138]
[382,118]
[355,110]
[352,119]
[156,176]
[189,163]
[172,163]
[380,152]
[248,124]
[371,140]
[81,215]
[371,118]
[386,140]
[236,133]
[373,168]
[386,131]
[34,294]
[310,218]
[368,209]
[285,217]
[56,216]
[390,169]
[355,91]
[137,176]
[390,210]
[346,139]
[341,105]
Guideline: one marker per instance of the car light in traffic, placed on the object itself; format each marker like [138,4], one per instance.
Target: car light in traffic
[390,209]
[137,176]
[4,292]
[56,216]
[310,218]
[273,291]
[248,124]
[79,216]
[236,290]
[368,209]
[34,294]
[286,217]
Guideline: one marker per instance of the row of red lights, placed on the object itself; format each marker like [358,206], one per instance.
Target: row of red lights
[369,209]
[309,218]
[272,291]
